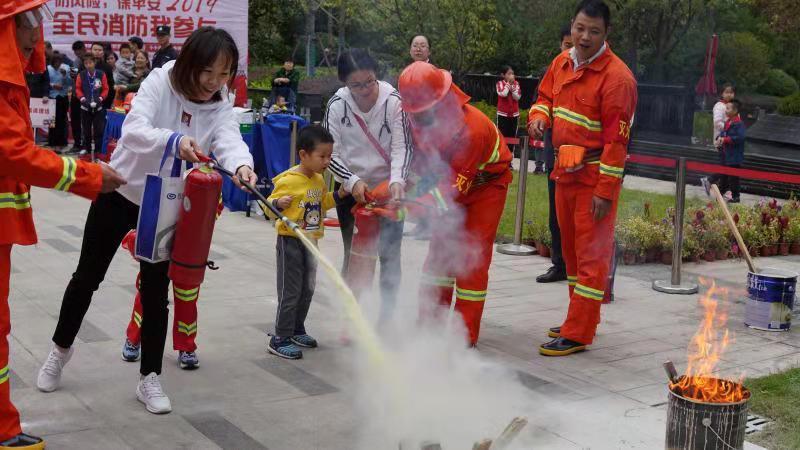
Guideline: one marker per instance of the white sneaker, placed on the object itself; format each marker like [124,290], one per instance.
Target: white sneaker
[50,374]
[150,393]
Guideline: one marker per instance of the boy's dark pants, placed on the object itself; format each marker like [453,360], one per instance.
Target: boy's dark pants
[297,274]
[94,125]
[728,182]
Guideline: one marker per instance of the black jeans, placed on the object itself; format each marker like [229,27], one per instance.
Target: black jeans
[389,244]
[110,218]
[555,232]
[57,137]
[728,182]
[94,125]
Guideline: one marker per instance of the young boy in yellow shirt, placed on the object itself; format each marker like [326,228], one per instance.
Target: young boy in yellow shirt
[300,194]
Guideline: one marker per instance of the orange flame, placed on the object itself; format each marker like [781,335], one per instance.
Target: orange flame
[705,351]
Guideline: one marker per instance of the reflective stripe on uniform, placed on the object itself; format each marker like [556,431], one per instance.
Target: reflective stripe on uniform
[67,174]
[15,201]
[470,295]
[543,109]
[495,156]
[572,280]
[187,329]
[137,318]
[434,280]
[440,202]
[187,295]
[4,374]
[611,171]
[588,292]
[578,119]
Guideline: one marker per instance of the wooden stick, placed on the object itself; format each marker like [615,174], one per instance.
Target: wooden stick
[732,225]
[485,444]
[508,435]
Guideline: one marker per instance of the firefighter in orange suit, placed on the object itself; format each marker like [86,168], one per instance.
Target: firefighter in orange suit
[23,164]
[471,164]
[588,97]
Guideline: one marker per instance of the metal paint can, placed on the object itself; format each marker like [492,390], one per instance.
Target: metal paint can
[770,299]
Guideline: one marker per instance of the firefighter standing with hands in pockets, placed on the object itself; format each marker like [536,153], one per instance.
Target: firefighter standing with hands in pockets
[588,97]
[23,164]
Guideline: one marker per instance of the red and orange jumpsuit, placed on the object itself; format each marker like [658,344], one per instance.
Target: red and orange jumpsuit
[479,172]
[184,323]
[591,107]
[23,164]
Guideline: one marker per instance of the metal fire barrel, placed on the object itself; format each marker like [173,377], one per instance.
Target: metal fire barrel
[696,425]
[770,299]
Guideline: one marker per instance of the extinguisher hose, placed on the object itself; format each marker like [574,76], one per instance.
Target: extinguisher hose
[214,164]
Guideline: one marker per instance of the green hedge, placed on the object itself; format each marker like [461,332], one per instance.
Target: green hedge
[790,106]
[778,83]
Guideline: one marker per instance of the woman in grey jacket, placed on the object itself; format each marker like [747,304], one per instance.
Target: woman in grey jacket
[372,145]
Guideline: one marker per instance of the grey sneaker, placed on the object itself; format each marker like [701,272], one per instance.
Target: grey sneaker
[50,374]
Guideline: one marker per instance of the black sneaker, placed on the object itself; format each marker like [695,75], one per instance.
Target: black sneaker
[553,274]
[284,347]
[734,200]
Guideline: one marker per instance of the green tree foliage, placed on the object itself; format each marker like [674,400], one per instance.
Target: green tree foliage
[790,106]
[273,29]
[743,59]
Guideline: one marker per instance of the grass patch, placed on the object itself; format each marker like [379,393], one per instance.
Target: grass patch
[537,206]
[777,397]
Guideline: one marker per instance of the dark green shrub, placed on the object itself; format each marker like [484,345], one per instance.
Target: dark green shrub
[778,83]
[790,106]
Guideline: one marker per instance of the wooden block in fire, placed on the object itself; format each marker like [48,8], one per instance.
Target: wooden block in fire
[508,435]
[485,444]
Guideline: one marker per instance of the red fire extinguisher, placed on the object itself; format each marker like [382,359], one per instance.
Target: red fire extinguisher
[363,251]
[195,227]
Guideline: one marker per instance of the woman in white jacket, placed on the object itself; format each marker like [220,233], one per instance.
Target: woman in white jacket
[187,96]
[371,145]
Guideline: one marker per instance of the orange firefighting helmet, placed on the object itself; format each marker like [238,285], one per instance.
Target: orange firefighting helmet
[422,85]
[9,8]
[34,12]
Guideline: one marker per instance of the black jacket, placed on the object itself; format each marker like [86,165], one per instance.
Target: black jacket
[164,55]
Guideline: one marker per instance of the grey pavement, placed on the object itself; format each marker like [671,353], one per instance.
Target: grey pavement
[610,397]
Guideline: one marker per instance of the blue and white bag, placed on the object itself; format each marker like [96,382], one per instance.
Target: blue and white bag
[158,212]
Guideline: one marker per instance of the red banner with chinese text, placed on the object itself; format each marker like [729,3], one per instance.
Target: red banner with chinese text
[116,20]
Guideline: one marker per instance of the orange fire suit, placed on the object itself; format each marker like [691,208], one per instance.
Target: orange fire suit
[23,164]
[591,107]
[475,187]
[184,323]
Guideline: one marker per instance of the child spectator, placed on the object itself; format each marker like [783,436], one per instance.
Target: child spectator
[508,95]
[286,81]
[91,88]
[60,85]
[301,195]
[730,144]
[279,107]
[123,72]
[727,95]
[141,68]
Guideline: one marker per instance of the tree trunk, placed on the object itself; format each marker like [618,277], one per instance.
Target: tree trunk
[342,28]
[311,15]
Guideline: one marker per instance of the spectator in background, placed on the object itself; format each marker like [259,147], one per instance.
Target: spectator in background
[166,52]
[420,49]
[123,72]
[730,144]
[79,49]
[508,95]
[92,89]
[136,44]
[60,85]
[39,86]
[111,60]
[286,82]
[726,96]
[99,53]
[141,69]
[558,271]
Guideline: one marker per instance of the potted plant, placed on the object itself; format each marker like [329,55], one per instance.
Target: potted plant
[540,233]
[626,241]
[691,243]
[792,236]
